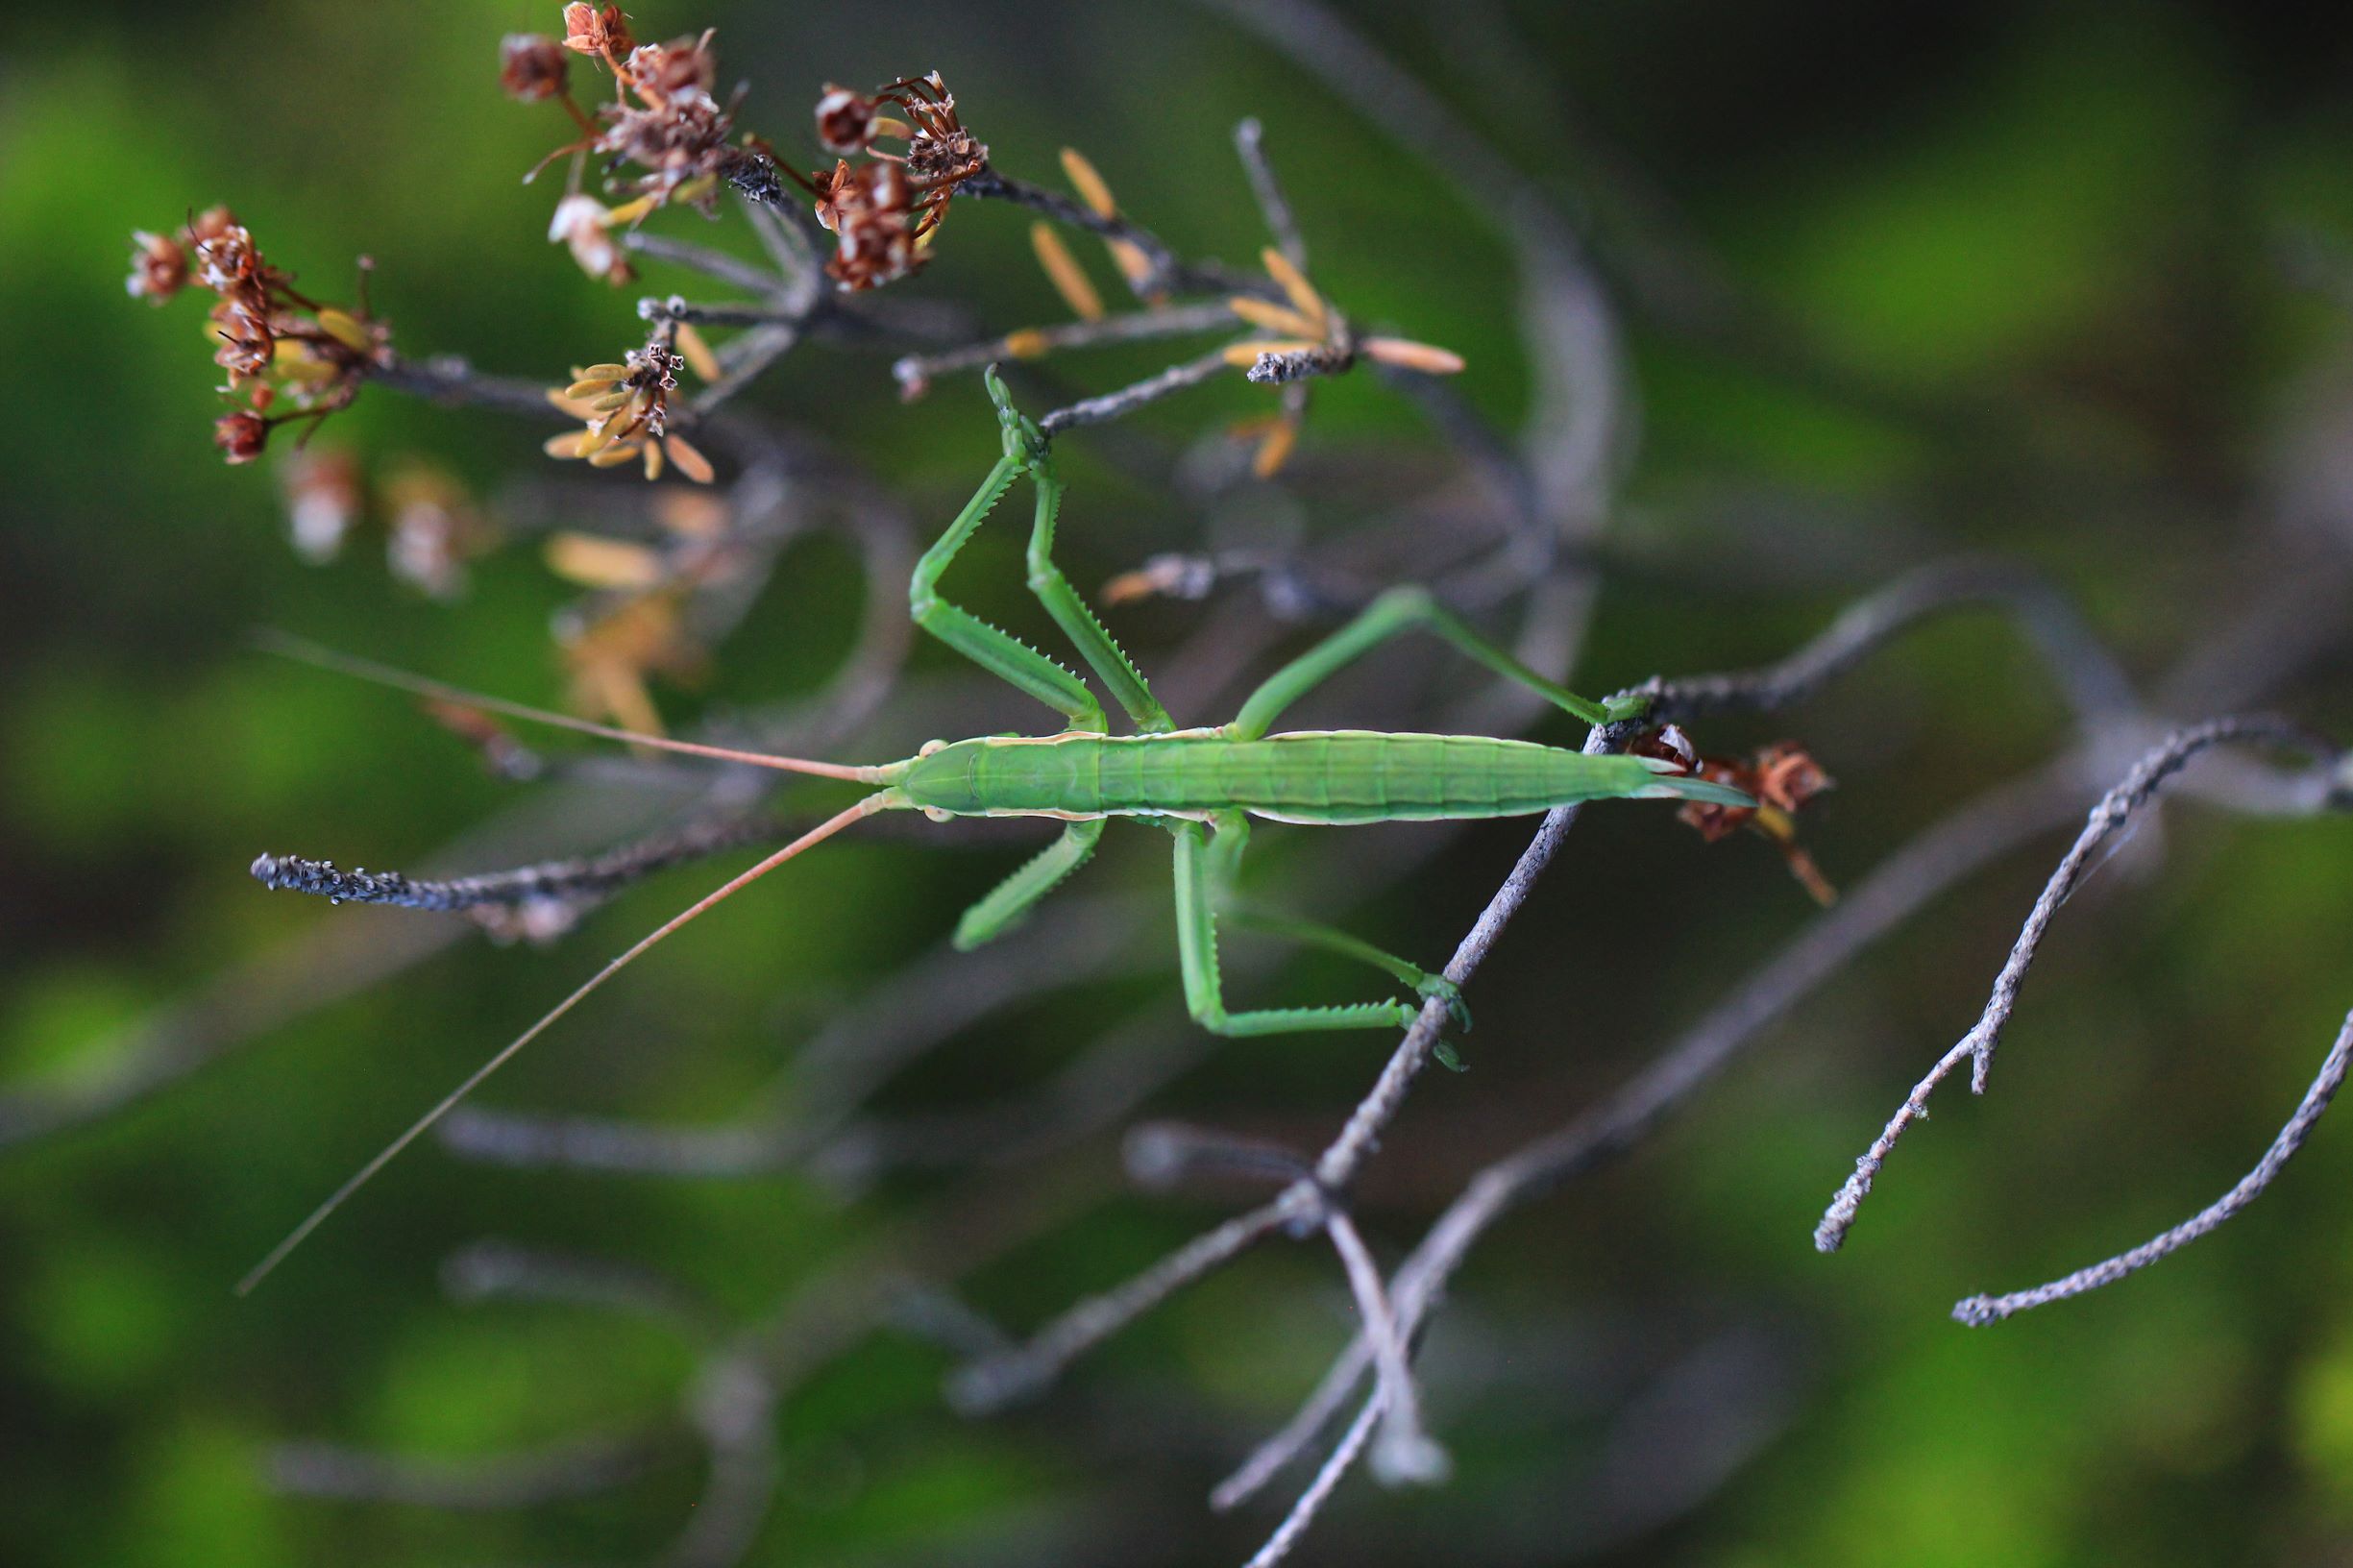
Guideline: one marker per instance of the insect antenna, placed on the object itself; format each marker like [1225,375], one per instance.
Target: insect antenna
[872,803]
[302,651]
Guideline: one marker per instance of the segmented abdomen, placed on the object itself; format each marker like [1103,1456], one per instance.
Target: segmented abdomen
[1333,776]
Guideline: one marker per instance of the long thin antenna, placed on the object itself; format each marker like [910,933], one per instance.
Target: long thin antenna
[824,830]
[302,651]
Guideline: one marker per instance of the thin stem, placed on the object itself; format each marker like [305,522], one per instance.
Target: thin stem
[1979,1310]
[916,371]
[1250,141]
[592,876]
[2107,817]
[1127,399]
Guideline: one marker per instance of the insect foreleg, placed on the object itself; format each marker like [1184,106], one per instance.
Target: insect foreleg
[1025,445]
[1400,609]
[998,652]
[1087,633]
[1196,916]
[1011,900]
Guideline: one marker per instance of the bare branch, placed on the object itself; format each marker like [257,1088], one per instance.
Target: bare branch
[1319,1490]
[1250,141]
[1979,1310]
[916,371]
[996,1381]
[587,878]
[1405,1452]
[701,258]
[1127,399]
[2094,685]
[2109,817]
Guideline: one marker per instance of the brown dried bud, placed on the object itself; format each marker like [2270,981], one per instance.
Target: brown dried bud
[248,343]
[1785,777]
[226,254]
[241,436]
[596,29]
[159,267]
[844,119]
[665,70]
[531,66]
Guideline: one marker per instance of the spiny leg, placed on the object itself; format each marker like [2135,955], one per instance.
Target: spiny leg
[1010,902]
[1087,633]
[1331,940]
[1402,609]
[998,652]
[1197,948]
[1225,856]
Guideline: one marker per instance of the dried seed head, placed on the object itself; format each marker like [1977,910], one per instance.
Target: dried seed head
[241,436]
[159,267]
[225,253]
[531,66]
[671,71]
[1786,776]
[594,30]
[844,119]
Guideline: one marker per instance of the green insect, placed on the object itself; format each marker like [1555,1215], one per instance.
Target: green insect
[1202,785]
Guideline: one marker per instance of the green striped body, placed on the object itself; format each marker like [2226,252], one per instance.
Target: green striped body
[1331,777]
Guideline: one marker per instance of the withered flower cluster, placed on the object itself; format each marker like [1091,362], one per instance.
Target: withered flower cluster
[884,211]
[1782,777]
[662,118]
[290,357]
[625,410]
[432,528]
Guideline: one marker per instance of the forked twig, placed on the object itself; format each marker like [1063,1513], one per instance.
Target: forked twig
[1978,1310]
[2107,817]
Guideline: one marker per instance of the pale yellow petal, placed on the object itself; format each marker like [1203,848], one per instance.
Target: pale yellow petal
[1062,270]
[596,562]
[698,353]
[690,459]
[1270,317]
[1092,188]
[1294,284]
[1407,355]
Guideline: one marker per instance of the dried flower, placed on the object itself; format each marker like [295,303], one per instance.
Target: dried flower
[272,340]
[625,409]
[611,653]
[844,119]
[869,207]
[241,436]
[884,211]
[531,66]
[596,29]
[1314,338]
[323,501]
[1782,777]
[432,529]
[584,225]
[662,118]
[665,71]
[159,267]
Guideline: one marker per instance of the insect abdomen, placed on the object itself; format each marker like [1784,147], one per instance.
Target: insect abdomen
[1326,777]
[1343,776]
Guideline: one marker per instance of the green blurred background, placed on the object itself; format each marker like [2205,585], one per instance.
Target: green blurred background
[2093,262]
